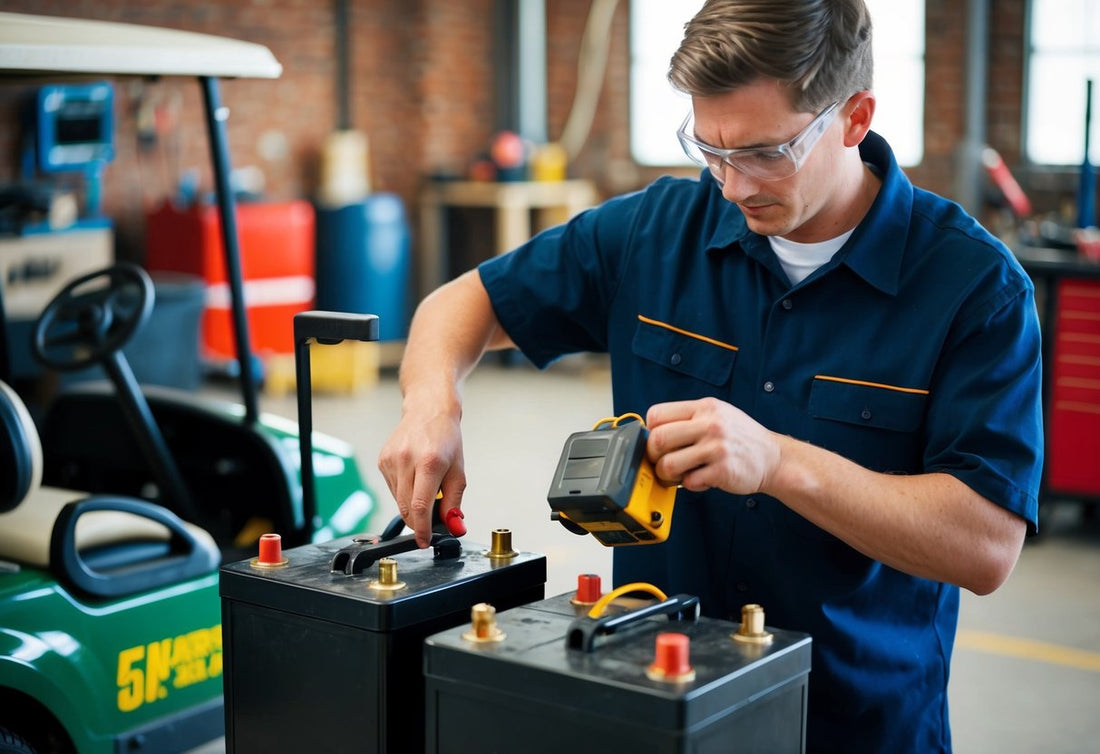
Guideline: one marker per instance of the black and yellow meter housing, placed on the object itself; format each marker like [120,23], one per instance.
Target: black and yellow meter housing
[605,486]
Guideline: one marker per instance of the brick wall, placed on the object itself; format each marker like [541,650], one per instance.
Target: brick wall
[274,125]
[421,81]
[945,93]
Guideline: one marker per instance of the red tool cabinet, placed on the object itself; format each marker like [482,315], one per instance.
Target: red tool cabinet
[1073,411]
[277,262]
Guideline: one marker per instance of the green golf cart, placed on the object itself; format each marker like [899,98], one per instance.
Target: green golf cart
[118,506]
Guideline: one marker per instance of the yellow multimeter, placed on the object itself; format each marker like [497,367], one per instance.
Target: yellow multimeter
[605,486]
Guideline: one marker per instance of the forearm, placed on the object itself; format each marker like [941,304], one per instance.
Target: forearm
[928,525]
[451,330]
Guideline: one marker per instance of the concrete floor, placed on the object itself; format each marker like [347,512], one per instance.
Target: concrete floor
[1026,673]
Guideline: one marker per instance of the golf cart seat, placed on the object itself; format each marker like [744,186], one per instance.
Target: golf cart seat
[105,546]
[242,481]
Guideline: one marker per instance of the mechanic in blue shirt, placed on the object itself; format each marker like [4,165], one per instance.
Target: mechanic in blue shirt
[841,370]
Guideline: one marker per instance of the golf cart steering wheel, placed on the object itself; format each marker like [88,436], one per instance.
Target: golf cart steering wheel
[93,317]
[88,323]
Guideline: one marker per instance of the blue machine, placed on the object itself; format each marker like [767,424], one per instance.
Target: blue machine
[72,129]
[47,235]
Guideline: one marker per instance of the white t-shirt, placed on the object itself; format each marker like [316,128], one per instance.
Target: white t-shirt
[799,260]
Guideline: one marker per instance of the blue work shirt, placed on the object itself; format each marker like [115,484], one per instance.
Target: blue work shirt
[915,349]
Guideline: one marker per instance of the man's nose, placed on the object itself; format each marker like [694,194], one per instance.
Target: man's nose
[736,186]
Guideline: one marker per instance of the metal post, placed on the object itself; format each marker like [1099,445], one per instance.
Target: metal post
[968,167]
[325,328]
[532,70]
[216,115]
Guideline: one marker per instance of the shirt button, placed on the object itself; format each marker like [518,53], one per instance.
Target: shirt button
[787,304]
[865,413]
[769,386]
[741,586]
[750,503]
[675,359]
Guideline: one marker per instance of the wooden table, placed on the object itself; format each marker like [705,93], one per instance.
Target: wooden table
[521,209]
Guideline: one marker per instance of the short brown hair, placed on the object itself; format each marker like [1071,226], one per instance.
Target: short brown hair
[820,49]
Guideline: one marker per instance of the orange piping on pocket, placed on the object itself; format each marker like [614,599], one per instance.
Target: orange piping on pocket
[895,388]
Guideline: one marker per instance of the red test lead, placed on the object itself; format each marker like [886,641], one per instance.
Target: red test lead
[452,519]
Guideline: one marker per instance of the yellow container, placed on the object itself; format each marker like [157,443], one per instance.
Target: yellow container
[549,162]
[345,367]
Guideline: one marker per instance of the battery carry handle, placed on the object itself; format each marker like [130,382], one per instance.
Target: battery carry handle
[584,631]
[364,552]
[361,555]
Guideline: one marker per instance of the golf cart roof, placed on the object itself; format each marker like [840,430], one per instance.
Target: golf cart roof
[33,44]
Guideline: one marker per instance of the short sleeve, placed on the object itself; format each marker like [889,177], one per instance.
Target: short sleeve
[985,417]
[552,294]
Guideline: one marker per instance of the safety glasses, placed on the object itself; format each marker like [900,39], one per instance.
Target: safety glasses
[765,163]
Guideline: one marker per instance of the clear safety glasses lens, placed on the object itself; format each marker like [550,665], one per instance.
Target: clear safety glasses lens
[765,163]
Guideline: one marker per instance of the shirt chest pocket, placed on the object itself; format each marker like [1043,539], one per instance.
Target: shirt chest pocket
[686,353]
[867,404]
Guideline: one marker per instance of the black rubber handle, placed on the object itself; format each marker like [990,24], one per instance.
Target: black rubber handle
[332,327]
[362,554]
[584,631]
[187,556]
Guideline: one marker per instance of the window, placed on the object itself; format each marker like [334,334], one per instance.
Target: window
[656,110]
[1063,53]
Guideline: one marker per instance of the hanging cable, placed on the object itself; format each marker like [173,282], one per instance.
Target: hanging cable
[591,66]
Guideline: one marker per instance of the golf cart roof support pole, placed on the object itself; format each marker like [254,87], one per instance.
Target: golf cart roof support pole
[216,115]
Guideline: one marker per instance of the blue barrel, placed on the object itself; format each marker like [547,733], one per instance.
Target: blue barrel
[363,263]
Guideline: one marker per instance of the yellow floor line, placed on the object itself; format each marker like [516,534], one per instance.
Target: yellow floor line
[1028,649]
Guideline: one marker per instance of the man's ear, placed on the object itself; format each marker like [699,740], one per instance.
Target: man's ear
[858,112]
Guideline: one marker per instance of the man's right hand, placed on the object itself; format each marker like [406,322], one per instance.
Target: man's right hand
[452,328]
[421,458]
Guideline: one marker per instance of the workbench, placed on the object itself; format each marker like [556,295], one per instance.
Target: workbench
[1068,295]
[520,209]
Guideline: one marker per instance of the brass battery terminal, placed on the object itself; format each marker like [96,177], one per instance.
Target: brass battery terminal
[752,629]
[483,624]
[387,576]
[500,545]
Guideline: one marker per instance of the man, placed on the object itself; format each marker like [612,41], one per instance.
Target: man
[840,369]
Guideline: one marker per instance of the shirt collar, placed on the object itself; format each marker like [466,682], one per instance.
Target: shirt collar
[877,262]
